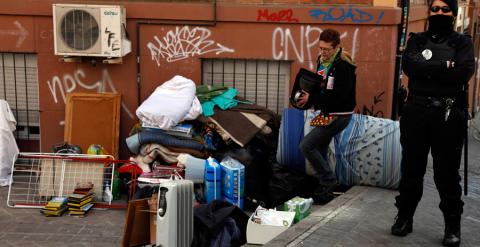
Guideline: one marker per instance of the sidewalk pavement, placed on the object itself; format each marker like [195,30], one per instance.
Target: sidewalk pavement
[361,217]
[28,227]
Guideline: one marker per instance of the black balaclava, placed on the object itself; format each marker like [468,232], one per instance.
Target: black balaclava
[441,25]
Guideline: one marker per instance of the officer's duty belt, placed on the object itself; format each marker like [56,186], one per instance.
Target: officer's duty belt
[428,101]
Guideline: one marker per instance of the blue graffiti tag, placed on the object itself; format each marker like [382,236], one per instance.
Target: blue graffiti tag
[340,14]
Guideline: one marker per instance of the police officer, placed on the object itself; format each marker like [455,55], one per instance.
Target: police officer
[439,64]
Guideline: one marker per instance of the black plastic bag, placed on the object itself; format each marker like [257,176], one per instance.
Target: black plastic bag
[285,184]
[65,148]
[305,80]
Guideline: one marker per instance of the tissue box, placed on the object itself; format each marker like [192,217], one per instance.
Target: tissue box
[233,178]
[301,207]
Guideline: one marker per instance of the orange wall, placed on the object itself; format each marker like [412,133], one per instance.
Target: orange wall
[243,31]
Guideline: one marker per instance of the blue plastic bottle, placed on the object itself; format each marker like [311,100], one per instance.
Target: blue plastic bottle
[213,180]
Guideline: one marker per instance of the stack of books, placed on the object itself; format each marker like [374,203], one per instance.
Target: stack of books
[79,204]
[55,207]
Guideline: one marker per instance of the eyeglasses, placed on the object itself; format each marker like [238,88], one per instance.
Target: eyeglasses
[325,49]
[445,9]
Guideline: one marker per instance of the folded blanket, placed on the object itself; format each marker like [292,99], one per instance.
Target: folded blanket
[241,127]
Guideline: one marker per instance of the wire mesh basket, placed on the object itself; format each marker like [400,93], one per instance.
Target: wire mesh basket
[38,177]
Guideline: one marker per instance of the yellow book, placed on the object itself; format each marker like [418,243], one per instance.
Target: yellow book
[56,202]
[71,204]
[83,208]
[53,213]
[78,201]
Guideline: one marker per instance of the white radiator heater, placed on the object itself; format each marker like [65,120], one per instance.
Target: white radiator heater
[175,214]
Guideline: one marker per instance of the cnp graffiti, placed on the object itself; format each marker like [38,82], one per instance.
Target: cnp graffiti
[372,111]
[342,14]
[69,82]
[301,46]
[285,15]
[184,42]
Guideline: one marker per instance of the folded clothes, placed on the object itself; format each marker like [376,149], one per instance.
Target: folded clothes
[134,142]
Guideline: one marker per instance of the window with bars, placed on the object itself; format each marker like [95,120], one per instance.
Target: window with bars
[265,82]
[19,87]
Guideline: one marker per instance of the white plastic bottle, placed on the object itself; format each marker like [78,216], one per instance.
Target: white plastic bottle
[107,194]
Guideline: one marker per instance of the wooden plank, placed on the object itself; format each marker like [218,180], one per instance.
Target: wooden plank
[93,118]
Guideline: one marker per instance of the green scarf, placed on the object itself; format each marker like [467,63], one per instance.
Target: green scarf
[328,63]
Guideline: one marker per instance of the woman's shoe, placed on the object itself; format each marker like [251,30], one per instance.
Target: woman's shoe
[323,195]
[451,239]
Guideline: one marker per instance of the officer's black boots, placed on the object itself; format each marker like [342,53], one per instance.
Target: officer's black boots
[402,226]
[452,231]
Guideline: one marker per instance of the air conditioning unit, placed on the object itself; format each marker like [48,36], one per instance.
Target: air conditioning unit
[90,30]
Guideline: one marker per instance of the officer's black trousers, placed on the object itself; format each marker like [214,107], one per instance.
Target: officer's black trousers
[424,129]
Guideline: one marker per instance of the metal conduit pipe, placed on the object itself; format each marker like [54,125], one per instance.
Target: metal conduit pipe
[401,41]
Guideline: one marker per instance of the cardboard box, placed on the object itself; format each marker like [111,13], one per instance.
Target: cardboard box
[233,178]
[153,202]
[261,234]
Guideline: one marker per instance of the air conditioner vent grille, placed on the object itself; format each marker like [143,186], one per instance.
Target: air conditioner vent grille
[79,29]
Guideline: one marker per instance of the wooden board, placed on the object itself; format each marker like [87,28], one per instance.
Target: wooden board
[136,231]
[93,118]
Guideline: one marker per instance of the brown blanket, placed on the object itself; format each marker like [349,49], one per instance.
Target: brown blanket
[242,122]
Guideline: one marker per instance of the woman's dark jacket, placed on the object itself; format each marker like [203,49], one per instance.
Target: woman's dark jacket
[342,97]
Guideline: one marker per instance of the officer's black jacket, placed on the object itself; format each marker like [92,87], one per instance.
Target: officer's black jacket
[432,77]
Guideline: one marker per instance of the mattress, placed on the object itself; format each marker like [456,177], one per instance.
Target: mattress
[366,152]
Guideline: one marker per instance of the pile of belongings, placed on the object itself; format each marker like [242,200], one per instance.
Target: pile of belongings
[213,121]
[203,120]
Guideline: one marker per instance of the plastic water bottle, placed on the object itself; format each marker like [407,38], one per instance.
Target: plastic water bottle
[107,193]
[213,180]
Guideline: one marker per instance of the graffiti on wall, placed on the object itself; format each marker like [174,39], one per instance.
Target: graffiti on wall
[184,42]
[301,46]
[285,15]
[112,41]
[371,110]
[345,13]
[60,86]
[19,31]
